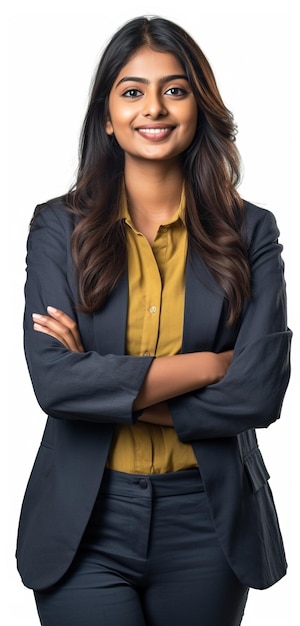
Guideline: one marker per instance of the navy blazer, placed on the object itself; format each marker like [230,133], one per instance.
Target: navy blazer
[86,394]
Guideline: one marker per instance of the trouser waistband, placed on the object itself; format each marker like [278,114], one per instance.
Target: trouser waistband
[171,483]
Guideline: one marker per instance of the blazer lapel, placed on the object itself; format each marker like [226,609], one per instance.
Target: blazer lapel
[110,322]
[203,307]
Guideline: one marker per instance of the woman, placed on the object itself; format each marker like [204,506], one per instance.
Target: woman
[149,502]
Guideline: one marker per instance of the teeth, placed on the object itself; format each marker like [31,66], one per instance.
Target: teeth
[154,131]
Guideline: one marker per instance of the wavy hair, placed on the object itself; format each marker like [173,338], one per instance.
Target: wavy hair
[211,169]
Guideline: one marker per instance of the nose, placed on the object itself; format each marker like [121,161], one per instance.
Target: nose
[154,106]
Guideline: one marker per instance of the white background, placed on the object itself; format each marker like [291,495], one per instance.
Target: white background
[51,53]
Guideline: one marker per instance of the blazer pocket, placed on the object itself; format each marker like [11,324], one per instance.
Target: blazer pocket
[256,470]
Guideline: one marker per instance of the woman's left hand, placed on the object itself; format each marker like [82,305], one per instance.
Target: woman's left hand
[59,325]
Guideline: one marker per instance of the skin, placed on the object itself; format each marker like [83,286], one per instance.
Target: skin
[153,118]
[153,115]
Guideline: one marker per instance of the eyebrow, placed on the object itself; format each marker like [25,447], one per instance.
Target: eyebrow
[145,81]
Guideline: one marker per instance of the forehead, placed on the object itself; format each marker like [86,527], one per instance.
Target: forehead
[150,64]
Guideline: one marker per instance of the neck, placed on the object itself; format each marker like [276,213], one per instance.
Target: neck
[153,195]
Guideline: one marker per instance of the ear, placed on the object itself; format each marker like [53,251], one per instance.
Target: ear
[109,127]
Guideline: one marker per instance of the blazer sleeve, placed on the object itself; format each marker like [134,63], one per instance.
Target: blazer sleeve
[252,392]
[68,385]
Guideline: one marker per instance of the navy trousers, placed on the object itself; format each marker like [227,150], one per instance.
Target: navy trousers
[149,557]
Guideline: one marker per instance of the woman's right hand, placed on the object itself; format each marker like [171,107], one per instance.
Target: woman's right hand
[59,325]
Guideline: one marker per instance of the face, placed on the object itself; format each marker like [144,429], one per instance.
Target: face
[152,110]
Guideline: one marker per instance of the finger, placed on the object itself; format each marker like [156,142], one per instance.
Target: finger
[57,330]
[54,329]
[67,321]
[43,329]
[63,326]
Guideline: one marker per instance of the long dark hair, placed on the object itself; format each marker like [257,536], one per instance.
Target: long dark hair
[211,168]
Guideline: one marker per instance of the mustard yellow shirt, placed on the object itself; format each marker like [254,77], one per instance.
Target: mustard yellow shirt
[154,327]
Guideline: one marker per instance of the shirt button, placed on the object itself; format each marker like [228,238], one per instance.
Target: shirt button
[152,309]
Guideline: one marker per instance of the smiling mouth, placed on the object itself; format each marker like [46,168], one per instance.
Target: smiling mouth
[155,133]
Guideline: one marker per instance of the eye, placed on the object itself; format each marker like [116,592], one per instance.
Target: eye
[132,93]
[176,91]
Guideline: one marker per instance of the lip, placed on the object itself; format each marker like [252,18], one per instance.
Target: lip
[156,132]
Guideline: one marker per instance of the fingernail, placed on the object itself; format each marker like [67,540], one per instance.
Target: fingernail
[51,309]
[36,316]
[37,326]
